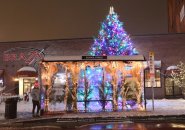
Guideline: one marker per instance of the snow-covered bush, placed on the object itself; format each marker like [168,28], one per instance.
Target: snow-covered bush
[178,76]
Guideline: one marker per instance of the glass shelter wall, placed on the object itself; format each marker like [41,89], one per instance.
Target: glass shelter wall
[93,85]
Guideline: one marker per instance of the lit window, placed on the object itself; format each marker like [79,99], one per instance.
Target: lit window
[157,78]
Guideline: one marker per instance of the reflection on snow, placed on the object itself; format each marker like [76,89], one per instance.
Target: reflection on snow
[94,106]
[81,106]
[56,106]
[175,125]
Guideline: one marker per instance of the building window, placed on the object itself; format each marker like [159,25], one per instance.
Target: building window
[27,84]
[157,78]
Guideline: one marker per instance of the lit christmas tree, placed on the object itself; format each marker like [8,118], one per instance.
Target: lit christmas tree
[112,39]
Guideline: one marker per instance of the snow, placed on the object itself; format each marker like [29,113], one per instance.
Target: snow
[167,106]
[161,107]
[27,68]
[172,68]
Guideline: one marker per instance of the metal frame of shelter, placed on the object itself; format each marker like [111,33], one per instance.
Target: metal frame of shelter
[48,59]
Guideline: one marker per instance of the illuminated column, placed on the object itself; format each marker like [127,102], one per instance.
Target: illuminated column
[115,87]
[142,88]
[21,87]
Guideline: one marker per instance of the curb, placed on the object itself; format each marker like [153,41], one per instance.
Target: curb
[76,122]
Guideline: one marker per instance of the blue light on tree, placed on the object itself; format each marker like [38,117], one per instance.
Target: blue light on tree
[112,38]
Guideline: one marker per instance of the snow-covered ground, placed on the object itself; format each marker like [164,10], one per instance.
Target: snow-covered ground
[161,107]
[167,106]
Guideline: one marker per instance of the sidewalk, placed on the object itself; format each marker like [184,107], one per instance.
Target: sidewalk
[163,107]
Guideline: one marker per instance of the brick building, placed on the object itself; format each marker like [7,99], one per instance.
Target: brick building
[168,49]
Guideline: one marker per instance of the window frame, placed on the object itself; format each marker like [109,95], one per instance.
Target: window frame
[156,79]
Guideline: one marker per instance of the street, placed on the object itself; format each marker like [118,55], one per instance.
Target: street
[111,126]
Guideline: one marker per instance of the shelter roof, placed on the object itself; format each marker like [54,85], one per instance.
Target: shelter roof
[94,58]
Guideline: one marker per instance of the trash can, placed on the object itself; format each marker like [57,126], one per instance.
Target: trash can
[11,108]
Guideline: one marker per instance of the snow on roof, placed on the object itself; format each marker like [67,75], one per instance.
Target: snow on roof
[172,67]
[27,68]
[95,58]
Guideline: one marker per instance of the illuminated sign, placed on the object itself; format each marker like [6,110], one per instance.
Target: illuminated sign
[94,57]
[26,56]
[152,68]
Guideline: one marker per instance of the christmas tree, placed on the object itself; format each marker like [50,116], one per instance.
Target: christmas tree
[112,39]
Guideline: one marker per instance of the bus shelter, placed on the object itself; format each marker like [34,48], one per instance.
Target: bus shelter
[92,83]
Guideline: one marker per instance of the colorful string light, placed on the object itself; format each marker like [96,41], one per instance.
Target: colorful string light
[112,38]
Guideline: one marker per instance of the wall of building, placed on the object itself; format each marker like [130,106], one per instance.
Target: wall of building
[167,48]
[176,16]
[53,47]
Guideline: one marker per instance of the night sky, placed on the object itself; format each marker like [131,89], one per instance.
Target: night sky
[23,20]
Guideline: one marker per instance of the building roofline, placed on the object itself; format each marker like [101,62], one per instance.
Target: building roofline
[45,40]
[88,38]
